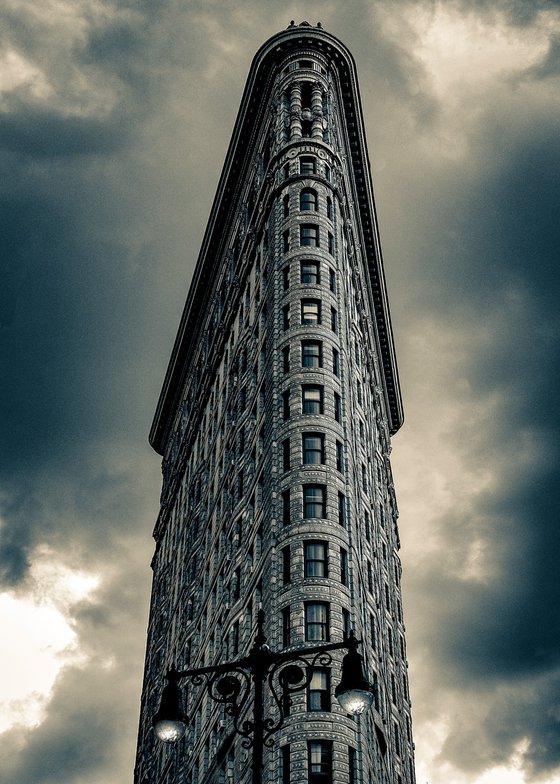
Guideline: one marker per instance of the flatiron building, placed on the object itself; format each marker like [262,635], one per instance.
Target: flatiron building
[274,424]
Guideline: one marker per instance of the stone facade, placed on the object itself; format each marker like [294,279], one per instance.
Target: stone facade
[274,424]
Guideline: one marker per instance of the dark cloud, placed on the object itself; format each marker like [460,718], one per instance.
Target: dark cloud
[106,180]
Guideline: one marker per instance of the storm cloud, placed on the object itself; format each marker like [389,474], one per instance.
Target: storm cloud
[114,122]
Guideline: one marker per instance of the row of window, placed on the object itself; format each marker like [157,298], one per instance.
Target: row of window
[313,451]
[309,237]
[308,202]
[311,356]
[309,275]
[314,504]
[310,314]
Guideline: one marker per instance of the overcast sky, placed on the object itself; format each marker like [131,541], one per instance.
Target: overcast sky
[115,118]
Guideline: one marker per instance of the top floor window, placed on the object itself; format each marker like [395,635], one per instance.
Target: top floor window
[307,165]
[308,200]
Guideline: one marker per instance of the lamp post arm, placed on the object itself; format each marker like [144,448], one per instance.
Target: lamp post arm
[314,649]
[214,669]
[247,661]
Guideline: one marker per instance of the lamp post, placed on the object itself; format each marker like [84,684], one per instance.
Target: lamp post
[230,684]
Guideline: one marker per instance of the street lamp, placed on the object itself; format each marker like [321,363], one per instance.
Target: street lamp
[230,685]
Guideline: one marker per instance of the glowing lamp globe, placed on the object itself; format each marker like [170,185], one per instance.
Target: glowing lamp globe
[354,692]
[169,722]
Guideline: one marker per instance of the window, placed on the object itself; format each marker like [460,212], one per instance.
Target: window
[286,241]
[327,173]
[314,501]
[286,626]
[352,766]
[346,626]
[308,200]
[286,317]
[317,622]
[285,764]
[310,274]
[311,311]
[331,244]
[286,565]
[313,448]
[319,691]
[332,280]
[341,509]
[286,278]
[286,172]
[309,235]
[315,559]
[307,165]
[286,507]
[286,203]
[397,738]
[370,577]
[343,566]
[335,362]
[329,208]
[334,320]
[286,359]
[311,354]
[286,404]
[337,408]
[339,457]
[319,761]
[312,400]
[367,526]
[235,638]
[372,631]
[286,454]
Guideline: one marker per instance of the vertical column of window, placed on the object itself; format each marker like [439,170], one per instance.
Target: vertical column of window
[295,112]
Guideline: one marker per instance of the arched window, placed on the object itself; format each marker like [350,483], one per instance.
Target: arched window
[308,200]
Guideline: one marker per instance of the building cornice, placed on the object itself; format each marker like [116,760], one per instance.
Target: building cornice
[255,98]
